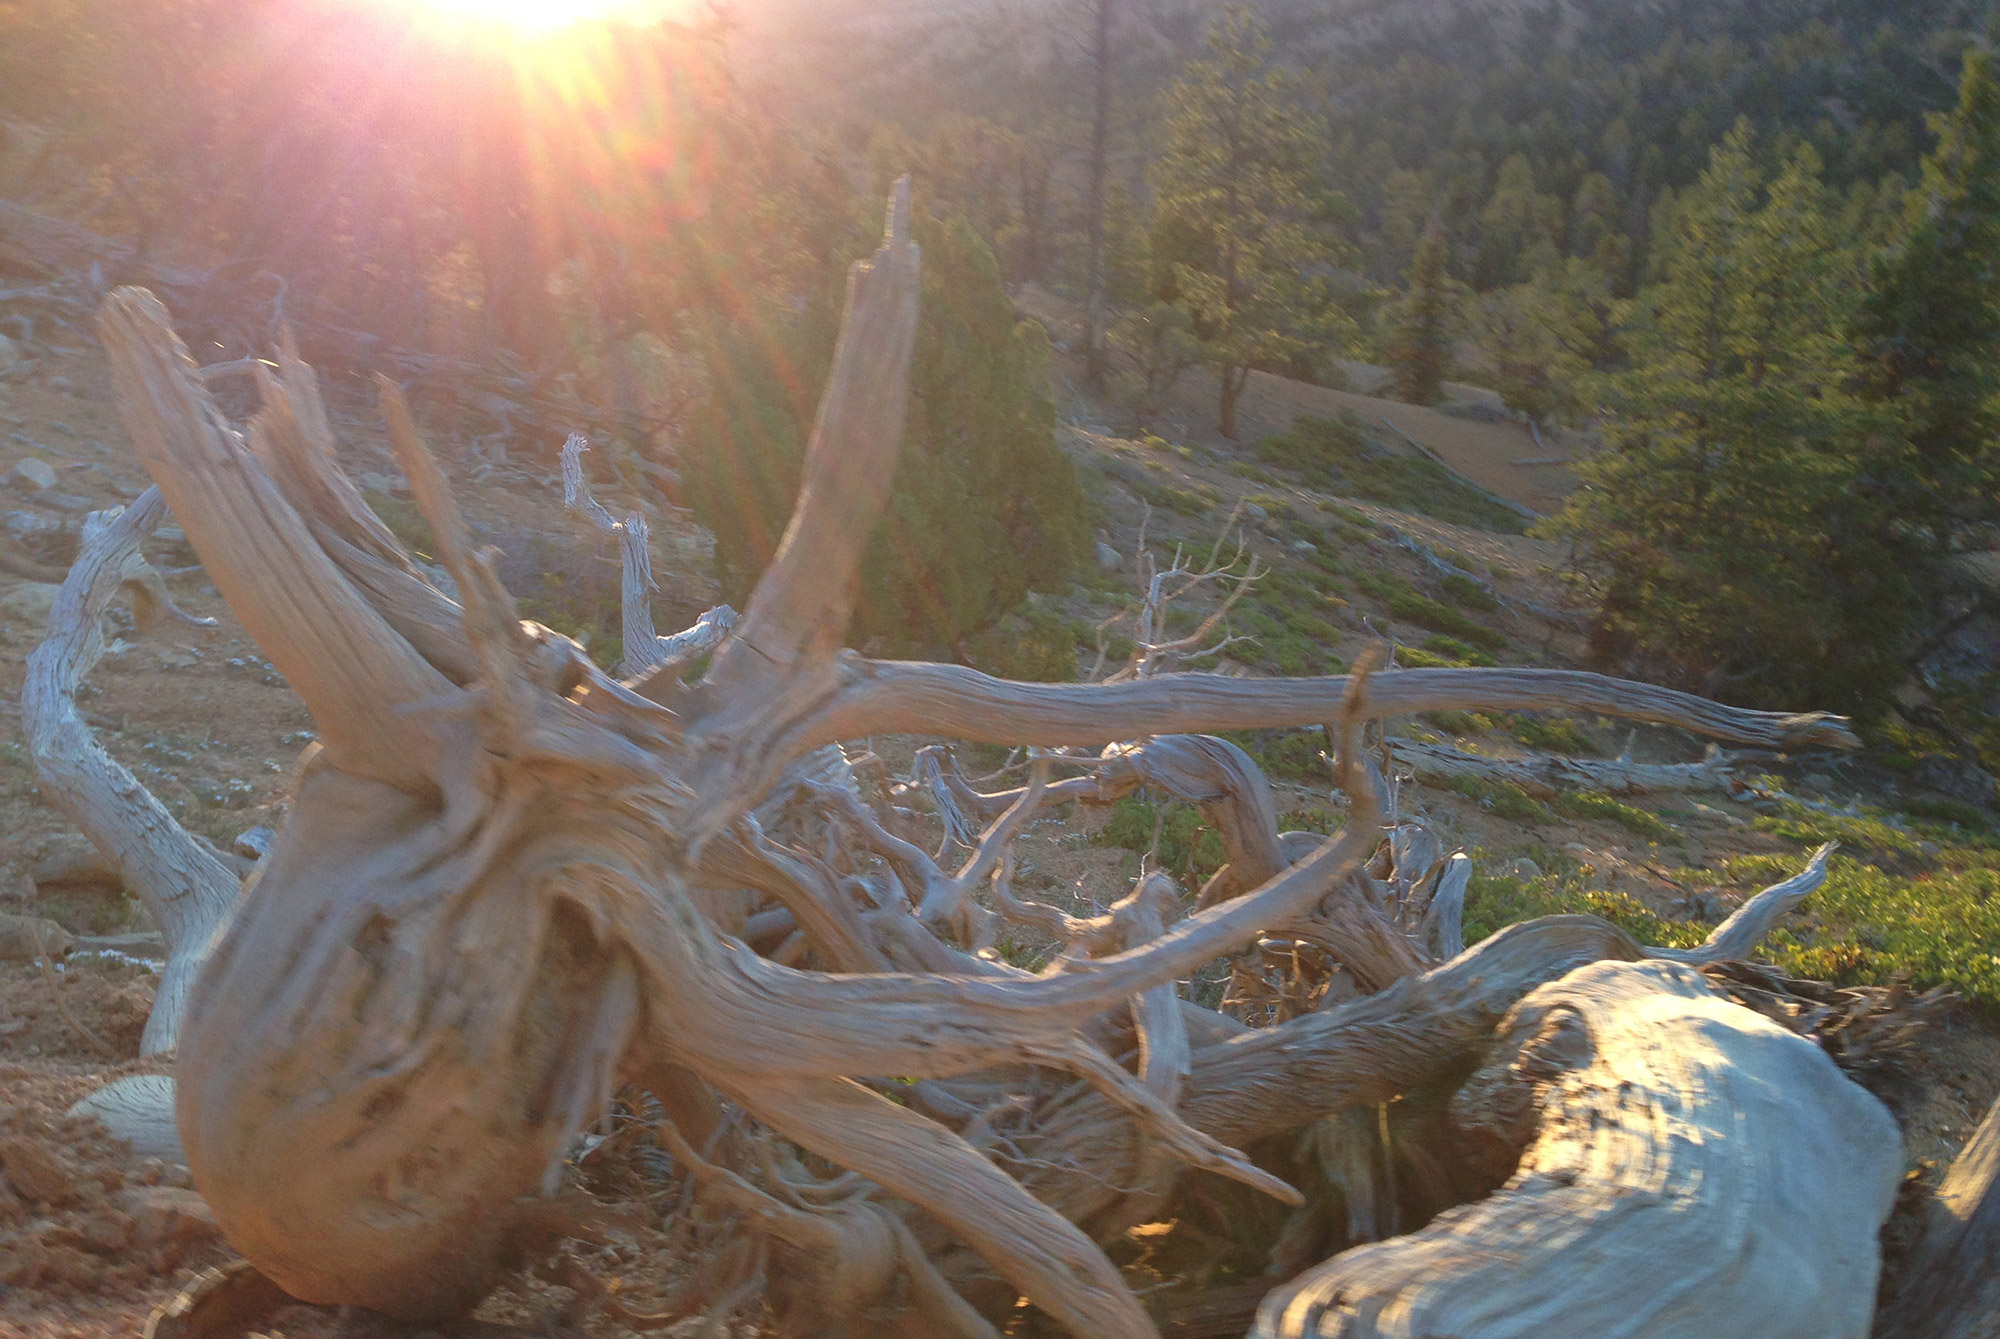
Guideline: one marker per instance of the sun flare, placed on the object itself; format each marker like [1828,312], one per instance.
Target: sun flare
[544,16]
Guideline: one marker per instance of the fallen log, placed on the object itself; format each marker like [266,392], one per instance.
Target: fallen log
[1687,1169]
[1544,776]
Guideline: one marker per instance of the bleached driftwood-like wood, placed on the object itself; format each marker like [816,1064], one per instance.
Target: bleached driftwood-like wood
[1951,1283]
[645,650]
[1545,775]
[181,880]
[510,882]
[1690,1169]
[140,1111]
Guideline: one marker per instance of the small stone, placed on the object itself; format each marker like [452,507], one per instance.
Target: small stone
[10,352]
[1108,558]
[1255,512]
[34,473]
[1819,781]
[21,524]
[168,1216]
[69,501]
[1304,546]
[255,843]
[36,1173]
[1929,850]
[1521,868]
[19,935]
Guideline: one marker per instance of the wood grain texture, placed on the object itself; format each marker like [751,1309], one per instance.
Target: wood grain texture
[1694,1170]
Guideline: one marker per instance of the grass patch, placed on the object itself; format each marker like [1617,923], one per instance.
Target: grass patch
[1337,456]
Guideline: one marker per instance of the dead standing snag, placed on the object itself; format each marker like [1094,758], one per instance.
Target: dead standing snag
[499,896]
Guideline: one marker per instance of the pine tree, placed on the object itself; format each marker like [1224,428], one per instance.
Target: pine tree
[985,506]
[1420,345]
[1929,331]
[1241,226]
[1732,440]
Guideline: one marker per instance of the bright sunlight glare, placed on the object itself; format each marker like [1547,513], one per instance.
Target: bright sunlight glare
[544,16]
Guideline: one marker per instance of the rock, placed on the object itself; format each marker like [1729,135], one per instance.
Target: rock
[255,843]
[32,473]
[1255,512]
[168,1216]
[70,858]
[69,501]
[18,936]
[105,1232]
[21,524]
[1521,868]
[1108,558]
[10,353]
[1958,778]
[1304,546]
[1818,781]
[1928,850]
[29,601]
[36,1173]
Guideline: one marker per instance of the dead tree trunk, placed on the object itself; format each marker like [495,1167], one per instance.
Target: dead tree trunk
[188,889]
[502,892]
[1649,1118]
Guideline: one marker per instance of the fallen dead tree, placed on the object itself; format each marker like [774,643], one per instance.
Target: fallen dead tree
[1545,775]
[1640,1119]
[511,883]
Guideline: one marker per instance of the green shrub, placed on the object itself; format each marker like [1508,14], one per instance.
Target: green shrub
[1867,926]
[1492,904]
[405,521]
[1593,804]
[1504,799]
[1456,650]
[1428,613]
[1467,593]
[1038,647]
[1188,849]
[1550,735]
[1458,722]
[1941,810]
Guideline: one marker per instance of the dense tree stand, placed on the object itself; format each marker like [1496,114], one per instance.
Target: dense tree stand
[511,885]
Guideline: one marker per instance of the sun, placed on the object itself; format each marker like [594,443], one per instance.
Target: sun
[534,17]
